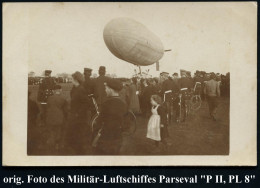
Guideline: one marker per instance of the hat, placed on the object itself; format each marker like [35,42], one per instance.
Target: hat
[114,84]
[183,72]
[197,72]
[164,73]
[175,74]
[87,70]
[212,76]
[102,68]
[78,76]
[47,72]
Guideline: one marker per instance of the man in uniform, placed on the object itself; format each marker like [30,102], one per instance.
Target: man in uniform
[45,90]
[111,120]
[166,93]
[148,91]
[212,92]
[185,82]
[88,84]
[99,88]
[175,93]
[198,79]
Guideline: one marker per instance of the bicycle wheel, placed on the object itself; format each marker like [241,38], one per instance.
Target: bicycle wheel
[129,124]
[195,102]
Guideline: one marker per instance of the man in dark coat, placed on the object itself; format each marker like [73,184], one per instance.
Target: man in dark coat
[78,137]
[149,90]
[89,89]
[56,118]
[46,87]
[175,94]
[99,89]
[111,120]
[45,90]
[166,93]
[185,82]
[88,84]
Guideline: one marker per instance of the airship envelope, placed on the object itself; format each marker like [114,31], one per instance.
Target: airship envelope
[131,41]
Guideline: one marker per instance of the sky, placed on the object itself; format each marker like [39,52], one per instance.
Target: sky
[66,37]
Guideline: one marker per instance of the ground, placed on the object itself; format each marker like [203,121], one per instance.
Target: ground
[199,135]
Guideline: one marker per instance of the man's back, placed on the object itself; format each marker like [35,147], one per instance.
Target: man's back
[175,85]
[185,82]
[112,113]
[100,89]
[212,88]
[89,86]
[167,85]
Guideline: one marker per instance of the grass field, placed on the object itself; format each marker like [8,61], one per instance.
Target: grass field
[199,135]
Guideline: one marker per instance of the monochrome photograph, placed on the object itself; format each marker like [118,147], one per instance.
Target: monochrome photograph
[130,79]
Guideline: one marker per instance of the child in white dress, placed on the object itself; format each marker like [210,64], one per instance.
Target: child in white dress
[157,125]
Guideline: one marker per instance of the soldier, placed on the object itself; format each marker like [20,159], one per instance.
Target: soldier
[186,85]
[212,91]
[148,91]
[175,93]
[99,89]
[111,120]
[88,84]
[45,90]
[89,89]
[166,93]
[185,82]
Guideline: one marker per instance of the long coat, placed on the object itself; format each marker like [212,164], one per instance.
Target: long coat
[134,100]
[111,120]
[78,132]
[80,102]
[99,89]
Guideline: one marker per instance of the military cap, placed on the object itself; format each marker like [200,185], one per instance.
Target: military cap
[164,73]
[212,76]
[102,68]
[183,72]
[114,84]
[47,72]
[87,70]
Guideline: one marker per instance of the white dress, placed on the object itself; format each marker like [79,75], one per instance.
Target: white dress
[153,129]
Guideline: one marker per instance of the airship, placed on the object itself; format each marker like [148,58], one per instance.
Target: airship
[132,42]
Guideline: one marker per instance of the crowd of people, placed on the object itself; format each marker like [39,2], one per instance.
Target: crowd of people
[69,122]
